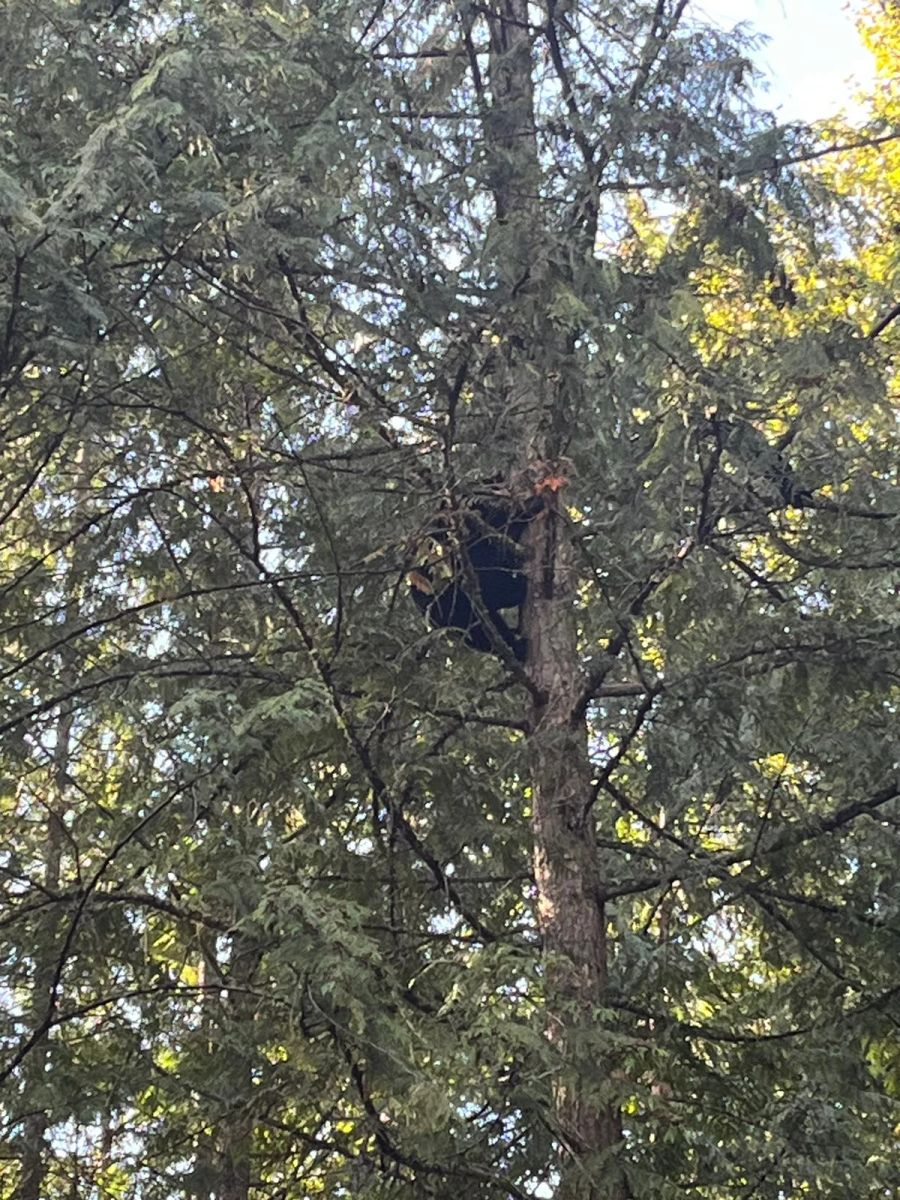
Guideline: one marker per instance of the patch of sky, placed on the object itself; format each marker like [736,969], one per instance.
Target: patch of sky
[810,54]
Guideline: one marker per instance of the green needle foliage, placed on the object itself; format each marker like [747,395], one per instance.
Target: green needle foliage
[271,296]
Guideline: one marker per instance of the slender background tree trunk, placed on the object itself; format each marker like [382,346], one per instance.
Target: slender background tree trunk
[33,1160]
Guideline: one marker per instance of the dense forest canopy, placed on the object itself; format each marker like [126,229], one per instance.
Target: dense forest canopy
[303,896]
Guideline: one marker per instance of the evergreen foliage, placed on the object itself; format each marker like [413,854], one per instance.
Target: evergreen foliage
[269,918]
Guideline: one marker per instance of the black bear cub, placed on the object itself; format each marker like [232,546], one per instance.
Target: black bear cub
[485,552]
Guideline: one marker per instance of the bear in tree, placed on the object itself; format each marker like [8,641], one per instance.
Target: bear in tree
[469,568]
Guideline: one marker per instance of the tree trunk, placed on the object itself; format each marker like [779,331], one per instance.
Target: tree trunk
[569,906]
[33,1155]
[234,1073]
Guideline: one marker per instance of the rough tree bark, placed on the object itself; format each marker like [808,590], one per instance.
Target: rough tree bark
[569,905]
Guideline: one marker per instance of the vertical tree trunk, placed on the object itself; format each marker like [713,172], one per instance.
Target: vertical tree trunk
[33,1155]
[570,910]
[237,1015]
[224,1152]
[234,1074]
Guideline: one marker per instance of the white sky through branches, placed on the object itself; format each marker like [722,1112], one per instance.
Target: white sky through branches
[814,59]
